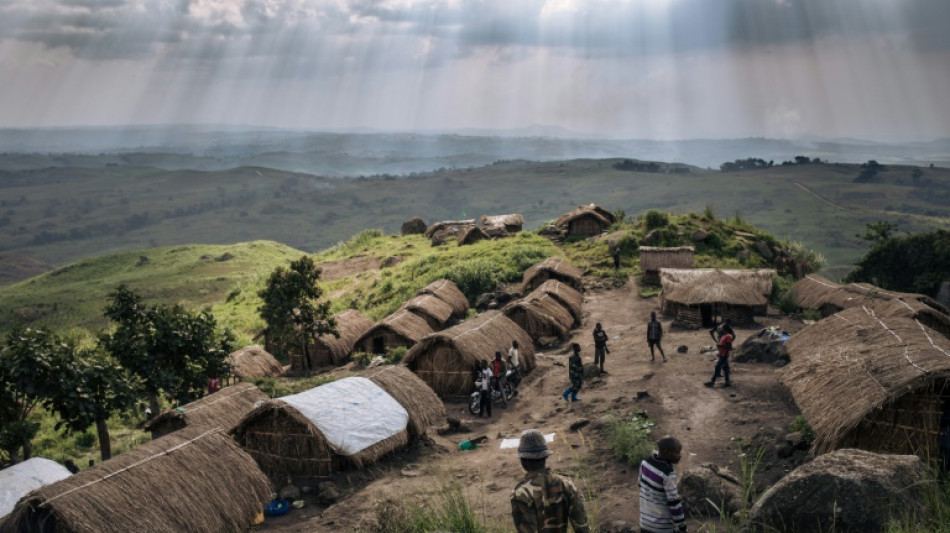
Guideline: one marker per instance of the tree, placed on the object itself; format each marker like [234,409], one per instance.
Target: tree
[291,308]
[170,349]
[879,232]
[915,262]
[31,362]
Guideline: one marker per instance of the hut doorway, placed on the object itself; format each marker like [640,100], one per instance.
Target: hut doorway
[707,314]
[944,433]
[379,345]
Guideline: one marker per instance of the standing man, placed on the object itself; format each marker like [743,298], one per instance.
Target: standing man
[498,371]
[576,372]
[484,390]
[722,359]
[661,510]
[544,502]
[655,335]
[720,329]
[600,346]
[616,258]
[514,360]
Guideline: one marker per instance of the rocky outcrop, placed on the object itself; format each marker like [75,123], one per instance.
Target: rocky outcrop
[414,225]
[709,490]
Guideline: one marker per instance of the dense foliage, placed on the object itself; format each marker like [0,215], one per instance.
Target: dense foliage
[916,262]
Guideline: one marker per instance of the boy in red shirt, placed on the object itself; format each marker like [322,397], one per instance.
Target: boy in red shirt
[722,360]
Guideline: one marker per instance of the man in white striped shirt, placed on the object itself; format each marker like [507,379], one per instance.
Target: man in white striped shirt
[661,510]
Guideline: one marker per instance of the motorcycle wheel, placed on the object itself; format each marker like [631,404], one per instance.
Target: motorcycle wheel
[507,393]
[474,403]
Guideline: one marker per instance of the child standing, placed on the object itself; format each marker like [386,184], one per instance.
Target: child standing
[661,510]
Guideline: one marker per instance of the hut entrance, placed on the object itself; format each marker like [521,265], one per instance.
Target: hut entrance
[944,436]
[379,345]
[708,315]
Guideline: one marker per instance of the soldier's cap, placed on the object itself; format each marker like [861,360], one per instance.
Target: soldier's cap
[532,445]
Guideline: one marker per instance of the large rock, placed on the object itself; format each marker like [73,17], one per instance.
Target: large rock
[762,347]
[699,235]
[846,490]
[414,225]
[763,248]
[709,490]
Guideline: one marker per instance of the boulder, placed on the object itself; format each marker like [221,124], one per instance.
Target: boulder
[591,371]
[327,492]
[846,490]
[761,348]
[699,235]
[711,491]
[413,226]
[763,248]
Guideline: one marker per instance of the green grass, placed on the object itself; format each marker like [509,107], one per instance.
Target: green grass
[448,510]
[630,440]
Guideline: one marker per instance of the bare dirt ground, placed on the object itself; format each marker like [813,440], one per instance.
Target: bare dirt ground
[715,425]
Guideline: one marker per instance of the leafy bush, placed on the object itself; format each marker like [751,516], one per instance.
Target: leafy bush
[655,219]
[631,440]
[85,439]
[802,426]
[781,294]
[811,314]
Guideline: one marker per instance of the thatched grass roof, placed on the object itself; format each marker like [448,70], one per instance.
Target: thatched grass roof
[427,305]
[715,287]
[816,292]
[852,364]
[254,362]
[472,234]
[757,279]
[193,480]
[554,267]
[22,478]
[457,225]
[222,410]
[570,298]
[449,293]
[351,325]
[540,315]
[402,323]
[654,258]
[514,219]
[424,406]
[596,213]
[445,359]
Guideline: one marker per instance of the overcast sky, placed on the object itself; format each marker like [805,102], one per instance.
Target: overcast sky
[659,69]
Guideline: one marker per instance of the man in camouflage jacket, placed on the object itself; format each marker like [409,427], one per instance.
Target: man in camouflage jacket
[544,502]
[575,369]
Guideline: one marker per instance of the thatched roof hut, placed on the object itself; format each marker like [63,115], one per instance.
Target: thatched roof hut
[556,268]
[423,405]
[448,292]
[330,350]
[698,301]
[254,362]
[351,422]
[402,328]
[451,225]
[511,223]
[816,292]
[22,478]
[757,279]
[567,296]
[193,480]
[585,221]
[540,315]
[446,359]
[435,311]
[471,235]
[890,371]
[653,258]
[222,410]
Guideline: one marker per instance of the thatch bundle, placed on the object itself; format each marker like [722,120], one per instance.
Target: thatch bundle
[715,287]
[566,295]
[540,315]
[435,311]
[511,223]
[221,410]
[871,377]
[22,478]
[402,328]
[454,226]
[449,293]
[193,480]
[423,405]
[653,258]
[254,362]
[816,292]
[446,359]
[585,221]
[472,234]
[556,268]
[329,350]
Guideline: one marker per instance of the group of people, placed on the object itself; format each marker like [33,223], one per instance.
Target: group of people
[492,376]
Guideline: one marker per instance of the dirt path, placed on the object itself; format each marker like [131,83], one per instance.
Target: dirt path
[712,423]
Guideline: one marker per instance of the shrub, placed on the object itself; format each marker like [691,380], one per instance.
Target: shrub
[802,426]
[631,440]
[655,219]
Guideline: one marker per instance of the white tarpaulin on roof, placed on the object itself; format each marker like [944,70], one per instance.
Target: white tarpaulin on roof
[22,478]
[352,413]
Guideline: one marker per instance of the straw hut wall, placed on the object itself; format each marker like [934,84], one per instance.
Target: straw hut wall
[583,222]
[22,478]
[890,370]
[453,225]
[308,436]
[512,223]
[402,328]
[194,480]
[425,408]
[329,350]
[446,360]
[449,293]
[653,258]
[569,298]
[555,268]
[254,362]
[816,292]
[471,235]
[221,410]
[540,315]
[434,311]
[697,302]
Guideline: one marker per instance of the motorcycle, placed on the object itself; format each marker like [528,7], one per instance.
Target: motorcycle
[504,393]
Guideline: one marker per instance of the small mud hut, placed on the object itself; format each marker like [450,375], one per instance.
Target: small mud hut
[413,226]
[195,480]
[540,315]
[889,369]
[435,311]
[22,478]
[502,225]
[425,408]
[568,297]
[585,221]
[698,302]
[254,362]
[402,328]
[446,360]
[221,410]
[555,268]
[349,423]
[330,350]
[449,293]
[816,292]
[471,235]
[653,258]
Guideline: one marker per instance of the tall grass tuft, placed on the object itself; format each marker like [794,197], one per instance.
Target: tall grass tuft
[631,441]
[448,510]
